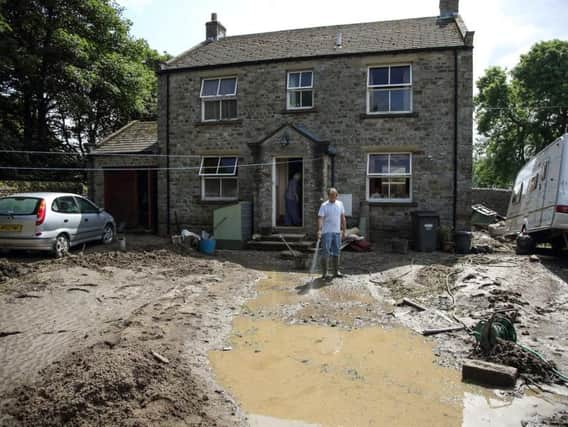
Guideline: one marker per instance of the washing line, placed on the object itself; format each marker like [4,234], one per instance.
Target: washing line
[64,153]
[149,168]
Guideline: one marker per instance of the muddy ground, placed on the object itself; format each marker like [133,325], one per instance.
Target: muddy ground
[104,337]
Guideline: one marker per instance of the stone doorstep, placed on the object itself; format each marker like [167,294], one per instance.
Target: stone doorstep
[302,246]
[289,237]
[490,374]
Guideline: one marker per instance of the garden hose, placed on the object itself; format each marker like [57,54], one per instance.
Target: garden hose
[497,327]
[500,327]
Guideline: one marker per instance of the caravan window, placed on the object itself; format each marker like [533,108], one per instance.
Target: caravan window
[544,170]
[517,193]
[533,183]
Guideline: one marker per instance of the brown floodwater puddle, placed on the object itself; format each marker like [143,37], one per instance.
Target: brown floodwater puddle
[307,375]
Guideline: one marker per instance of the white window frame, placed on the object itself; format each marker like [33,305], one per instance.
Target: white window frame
[388,175]
[389,87]
[219,177]
[290,90]
[219,98]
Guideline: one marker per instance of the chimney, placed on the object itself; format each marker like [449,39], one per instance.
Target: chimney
[449,8]
[214,30]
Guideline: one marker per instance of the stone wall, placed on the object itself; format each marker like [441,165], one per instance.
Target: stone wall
[339,117]
[494,198]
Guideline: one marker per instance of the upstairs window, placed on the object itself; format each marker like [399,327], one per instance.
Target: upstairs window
[389,177]
[389,89]
[219,179]
[219,99]
[300,88]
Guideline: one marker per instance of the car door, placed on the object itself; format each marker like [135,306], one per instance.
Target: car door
[66,218]
[91,221]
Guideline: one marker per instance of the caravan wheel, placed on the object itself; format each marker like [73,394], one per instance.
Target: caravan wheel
[525,244]
[558,245]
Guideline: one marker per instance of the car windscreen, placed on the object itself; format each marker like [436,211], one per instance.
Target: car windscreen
[18,205]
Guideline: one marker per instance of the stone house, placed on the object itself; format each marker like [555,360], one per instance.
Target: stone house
[380,110]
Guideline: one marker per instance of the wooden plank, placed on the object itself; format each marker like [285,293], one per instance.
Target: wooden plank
[491,374]
[427,332]
[414,304]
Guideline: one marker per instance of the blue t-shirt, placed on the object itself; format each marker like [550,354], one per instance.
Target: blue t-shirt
[331,214]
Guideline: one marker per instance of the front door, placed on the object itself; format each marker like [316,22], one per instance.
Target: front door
[288,192]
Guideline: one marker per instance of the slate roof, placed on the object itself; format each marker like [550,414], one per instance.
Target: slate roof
[136,137]
[371,37]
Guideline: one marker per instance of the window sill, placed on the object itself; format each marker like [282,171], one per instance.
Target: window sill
[237,122]
[299,110]
[388,115]
[393,204]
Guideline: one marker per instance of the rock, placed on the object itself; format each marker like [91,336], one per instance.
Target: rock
[228,348]
[534,258]
[111,340]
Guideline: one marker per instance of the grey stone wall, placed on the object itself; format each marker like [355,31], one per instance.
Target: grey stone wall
[494,198]
[339,118]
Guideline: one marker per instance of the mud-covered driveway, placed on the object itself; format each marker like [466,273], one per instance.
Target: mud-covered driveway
[164,336]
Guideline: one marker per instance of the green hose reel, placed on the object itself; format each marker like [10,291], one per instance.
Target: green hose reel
[497,327]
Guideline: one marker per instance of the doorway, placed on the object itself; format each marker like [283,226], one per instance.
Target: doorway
[131,197]
[288,192]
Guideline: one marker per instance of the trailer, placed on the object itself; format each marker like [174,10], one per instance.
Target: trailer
[538,208]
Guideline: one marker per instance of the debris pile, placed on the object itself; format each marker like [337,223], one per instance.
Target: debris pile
[436,276]
[10,270]
[510,354]
[105,387]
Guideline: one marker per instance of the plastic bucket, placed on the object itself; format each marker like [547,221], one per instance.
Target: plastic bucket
[463,242]
[207,246]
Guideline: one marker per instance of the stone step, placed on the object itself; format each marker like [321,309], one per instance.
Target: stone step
[260,245]
[490,374]
[289,237]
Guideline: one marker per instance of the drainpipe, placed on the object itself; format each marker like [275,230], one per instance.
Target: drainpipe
[331,152]
[455,204]
[168,153]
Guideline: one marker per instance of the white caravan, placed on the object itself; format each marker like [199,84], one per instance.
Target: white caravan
[539,203]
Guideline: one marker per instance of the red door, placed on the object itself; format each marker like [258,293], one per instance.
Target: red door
[121,196]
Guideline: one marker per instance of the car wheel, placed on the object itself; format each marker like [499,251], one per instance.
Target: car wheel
[61,246]
[108,234]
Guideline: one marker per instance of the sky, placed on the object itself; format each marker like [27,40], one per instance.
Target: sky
[504,29]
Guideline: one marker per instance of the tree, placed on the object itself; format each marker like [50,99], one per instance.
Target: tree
[521,112]
[70,72]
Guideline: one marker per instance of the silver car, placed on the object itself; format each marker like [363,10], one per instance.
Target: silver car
[52,222]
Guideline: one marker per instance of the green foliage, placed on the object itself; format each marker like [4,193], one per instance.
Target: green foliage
[521,112]
[70,72]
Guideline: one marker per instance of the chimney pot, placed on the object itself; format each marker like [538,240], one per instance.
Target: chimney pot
[214,17]
[338,40]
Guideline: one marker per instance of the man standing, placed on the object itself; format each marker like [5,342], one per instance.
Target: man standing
[331,229]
